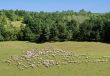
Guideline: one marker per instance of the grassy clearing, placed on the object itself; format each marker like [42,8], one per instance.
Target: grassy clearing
[79,18]
[16,23]
[93,48]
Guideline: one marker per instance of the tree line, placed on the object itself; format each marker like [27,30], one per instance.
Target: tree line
[54,26]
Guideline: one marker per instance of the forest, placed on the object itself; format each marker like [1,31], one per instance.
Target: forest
[54,26]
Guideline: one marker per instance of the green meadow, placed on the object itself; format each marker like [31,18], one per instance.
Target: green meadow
[97,49]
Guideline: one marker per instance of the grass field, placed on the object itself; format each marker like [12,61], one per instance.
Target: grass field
[91,69]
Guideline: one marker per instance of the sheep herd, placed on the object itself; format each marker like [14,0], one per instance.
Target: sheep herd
[49,57]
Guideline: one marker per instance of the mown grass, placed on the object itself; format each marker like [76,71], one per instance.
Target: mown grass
[91,69]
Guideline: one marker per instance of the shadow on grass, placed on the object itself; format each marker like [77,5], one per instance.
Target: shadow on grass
[41,42]
[106,42]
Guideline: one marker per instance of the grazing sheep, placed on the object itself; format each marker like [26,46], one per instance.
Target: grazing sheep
[32,65]
[46,63]
[50,57]
[73,61]
[8,61]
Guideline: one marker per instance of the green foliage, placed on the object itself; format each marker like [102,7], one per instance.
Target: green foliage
[10,33]
[106,30]
[73,29]
[54,26]
[1,37]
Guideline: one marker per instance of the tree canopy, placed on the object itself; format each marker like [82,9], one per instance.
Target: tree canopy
[54,26]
